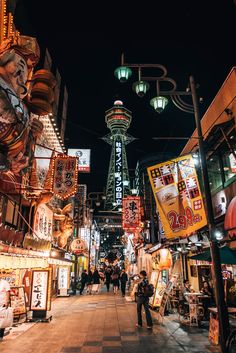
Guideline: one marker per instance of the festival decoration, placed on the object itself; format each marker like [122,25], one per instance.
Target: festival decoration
[131,215]
[178,196]
[65,175]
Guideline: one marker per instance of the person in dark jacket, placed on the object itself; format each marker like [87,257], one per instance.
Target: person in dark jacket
[123,281]
[143,300]
[84,280]
[89,282]
[108,273]
[115,280]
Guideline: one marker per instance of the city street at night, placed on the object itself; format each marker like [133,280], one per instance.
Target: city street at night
[104,323]
[117,177]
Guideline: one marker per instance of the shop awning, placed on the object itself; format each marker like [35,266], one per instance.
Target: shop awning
[227,256]
[230,218]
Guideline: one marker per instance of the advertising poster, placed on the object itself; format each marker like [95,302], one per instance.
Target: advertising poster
[83,156]
[65,175]
[178,196]
[131,215]
[17,298]
[40,290]
[43,222]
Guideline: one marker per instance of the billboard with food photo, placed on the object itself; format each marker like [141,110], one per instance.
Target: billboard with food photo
[178,196]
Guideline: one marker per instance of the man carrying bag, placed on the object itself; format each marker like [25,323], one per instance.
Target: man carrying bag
[6,312]
[145,290]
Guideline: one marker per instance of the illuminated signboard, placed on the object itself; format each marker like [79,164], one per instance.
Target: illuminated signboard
[178,196]
[43,221]
[41,290]
[65,175]
[83,156]
[131,215]
[118,172]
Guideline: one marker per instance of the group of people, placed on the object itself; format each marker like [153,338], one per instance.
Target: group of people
[109,275]
[118,278]
[207,298]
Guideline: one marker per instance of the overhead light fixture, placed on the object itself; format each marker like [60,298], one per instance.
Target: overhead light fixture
[122,73]
[159,103]
[141,88]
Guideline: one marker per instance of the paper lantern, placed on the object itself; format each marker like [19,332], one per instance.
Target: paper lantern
[165,261]
[230,218]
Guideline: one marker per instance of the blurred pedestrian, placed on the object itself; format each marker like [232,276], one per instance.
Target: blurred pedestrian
[89,282]
[83,281]
[108,278]
[96,280]
[115,280]
[123,281]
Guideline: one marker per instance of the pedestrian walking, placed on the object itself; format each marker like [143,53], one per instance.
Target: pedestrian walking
[123,281]
[115,281]
[89,282]
[96,280]
[108,278]
[4,300]
[83,281]
[143,299]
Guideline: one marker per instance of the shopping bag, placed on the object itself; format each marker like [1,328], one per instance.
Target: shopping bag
[95,287]
[6,317]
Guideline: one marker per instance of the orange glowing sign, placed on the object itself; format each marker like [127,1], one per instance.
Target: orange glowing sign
[178,196]
[65,175]
[131,213]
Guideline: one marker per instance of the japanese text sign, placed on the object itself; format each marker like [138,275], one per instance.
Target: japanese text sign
[118,172]
[65,174]
[40,290]
[178,196]
[83,156]
[43,221]
[131,216]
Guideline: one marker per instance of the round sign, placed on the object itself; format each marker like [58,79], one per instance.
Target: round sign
[77,246]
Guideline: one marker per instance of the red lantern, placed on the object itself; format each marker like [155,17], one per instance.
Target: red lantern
[230,218]
[165,261]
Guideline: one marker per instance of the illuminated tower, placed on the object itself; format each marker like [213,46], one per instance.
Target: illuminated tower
[118,120]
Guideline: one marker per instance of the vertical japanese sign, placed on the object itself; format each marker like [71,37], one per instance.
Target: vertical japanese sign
[65,174]
[63,277]
[178,196]
[131,215]
[80,205]
[41,290]
[43,221]
[118,172]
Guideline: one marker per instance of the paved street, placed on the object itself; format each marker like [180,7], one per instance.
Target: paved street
[103,323]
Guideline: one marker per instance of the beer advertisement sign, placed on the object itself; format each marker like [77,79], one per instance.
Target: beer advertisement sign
[178,196]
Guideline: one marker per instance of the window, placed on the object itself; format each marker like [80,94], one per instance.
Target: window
[229,166]
[214,172]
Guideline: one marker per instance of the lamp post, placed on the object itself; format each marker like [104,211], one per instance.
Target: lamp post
[159,103]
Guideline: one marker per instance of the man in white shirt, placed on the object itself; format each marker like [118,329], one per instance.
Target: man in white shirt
[4,299]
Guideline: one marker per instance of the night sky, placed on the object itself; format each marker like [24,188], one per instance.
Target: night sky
[86,40]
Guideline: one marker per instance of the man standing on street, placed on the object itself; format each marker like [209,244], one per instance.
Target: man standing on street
[142,299]
[123,281]
[84,280]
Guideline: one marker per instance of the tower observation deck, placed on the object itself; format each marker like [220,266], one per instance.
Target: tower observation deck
[118,120]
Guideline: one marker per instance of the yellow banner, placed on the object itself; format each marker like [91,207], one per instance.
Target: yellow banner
[178,196]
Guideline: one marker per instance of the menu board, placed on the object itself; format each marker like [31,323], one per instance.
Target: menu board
[17,298]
